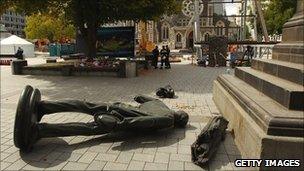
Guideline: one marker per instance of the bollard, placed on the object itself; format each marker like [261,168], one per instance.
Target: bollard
[17,66]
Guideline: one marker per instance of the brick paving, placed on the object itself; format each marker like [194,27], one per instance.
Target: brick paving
[165,150]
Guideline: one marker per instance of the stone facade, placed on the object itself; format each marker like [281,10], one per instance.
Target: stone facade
[150,29]
[177,30]
[13,22]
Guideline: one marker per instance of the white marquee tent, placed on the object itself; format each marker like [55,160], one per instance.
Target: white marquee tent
[9,46]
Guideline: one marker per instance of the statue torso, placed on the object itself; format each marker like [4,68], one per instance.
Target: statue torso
[151,108]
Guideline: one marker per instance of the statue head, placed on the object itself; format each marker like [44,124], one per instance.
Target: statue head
[180,118]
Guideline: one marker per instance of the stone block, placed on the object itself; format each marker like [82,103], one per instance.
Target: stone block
[127,69]
[115,166]
[286,93]
[136,165]
[51,60]
[124,157]
[106,157]
[270,68]
[251,139]
[289,71]
[293,34]
[291,74]
[17,66]
[96,165]
[87,157]
[296,100]
[143,157]
[275,92]
[176,165]
[155,166]
[289,52]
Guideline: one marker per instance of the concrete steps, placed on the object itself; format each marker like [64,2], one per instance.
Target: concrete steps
[272,117]
[263,106]
[289,52]
[286,70]
[286,93]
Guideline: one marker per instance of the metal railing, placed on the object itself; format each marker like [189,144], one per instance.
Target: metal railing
[263,51]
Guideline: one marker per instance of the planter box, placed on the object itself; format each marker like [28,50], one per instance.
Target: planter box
[126,69]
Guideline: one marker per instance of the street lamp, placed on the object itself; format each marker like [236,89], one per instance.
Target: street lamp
[196,28]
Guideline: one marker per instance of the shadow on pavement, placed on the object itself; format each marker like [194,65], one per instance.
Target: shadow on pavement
[126,141]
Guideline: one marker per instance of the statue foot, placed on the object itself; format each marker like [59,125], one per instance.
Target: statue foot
[25,128]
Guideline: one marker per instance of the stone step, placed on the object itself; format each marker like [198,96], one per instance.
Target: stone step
[289,52]
[272,117]
[286,93]
[289,71]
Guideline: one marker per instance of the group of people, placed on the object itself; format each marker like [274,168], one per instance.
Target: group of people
[164,53]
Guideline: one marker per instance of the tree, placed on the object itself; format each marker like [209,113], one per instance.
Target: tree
[277,14]
[4,5]
[88,15]
[41,26]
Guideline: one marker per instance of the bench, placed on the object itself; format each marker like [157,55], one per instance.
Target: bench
[51,60]
[74,56]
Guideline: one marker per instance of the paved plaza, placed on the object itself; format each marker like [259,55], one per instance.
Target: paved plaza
[164,150]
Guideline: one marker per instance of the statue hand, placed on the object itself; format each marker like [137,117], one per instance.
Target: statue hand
[111,122]
[106,121]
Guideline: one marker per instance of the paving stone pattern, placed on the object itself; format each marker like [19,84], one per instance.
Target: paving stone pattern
[163,150]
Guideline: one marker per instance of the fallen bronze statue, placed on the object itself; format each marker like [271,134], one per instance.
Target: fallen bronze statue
[209,140]
[152,114]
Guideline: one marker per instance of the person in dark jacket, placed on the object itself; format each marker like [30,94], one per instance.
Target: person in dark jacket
[167,59]
[19,53]
[163,54]
[155,53]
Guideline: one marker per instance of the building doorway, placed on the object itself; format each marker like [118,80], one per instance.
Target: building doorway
[190,40]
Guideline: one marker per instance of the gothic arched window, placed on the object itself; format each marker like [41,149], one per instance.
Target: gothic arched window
[220,28]
[206,37]
[165,32]
[178,38]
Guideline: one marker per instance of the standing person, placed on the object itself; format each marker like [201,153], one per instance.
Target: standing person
[155,53]
[19,53]
[233,58]
[167,60]
[163,54]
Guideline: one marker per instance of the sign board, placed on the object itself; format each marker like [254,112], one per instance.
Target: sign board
[116,41]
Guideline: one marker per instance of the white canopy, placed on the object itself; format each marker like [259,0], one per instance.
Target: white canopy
[9,46]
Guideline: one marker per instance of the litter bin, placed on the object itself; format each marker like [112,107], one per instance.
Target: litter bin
[54,50]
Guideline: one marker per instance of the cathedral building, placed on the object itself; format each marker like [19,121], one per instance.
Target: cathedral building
[177,30]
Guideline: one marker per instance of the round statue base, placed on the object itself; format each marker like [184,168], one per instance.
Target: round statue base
[25,130]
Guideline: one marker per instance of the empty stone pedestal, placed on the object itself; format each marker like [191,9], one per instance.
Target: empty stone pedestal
[264,102]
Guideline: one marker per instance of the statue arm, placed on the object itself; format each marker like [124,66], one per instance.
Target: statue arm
[143,98]
[147,123]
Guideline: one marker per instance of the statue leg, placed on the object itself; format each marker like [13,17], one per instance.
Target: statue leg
[102,124]
[50,107]
[46,130]
[26,127]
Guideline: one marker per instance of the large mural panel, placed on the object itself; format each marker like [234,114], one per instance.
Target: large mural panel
[116,41]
